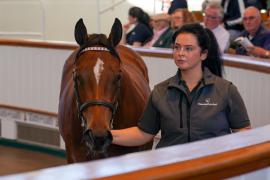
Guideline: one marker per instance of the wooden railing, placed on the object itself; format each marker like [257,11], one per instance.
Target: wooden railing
[215,158]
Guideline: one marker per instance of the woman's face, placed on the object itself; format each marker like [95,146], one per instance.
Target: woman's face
[177,19]
[187,52]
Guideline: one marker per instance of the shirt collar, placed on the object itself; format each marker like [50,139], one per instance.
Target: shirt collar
[177,82]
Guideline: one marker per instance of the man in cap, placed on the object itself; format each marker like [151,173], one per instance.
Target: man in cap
[162,37]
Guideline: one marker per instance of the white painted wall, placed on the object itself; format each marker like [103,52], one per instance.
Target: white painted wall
[55,19]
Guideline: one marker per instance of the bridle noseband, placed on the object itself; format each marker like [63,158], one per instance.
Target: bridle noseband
[113,106]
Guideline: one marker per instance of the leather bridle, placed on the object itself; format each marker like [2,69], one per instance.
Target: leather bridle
[82,106]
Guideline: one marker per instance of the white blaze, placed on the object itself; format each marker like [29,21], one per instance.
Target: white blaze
[98,69]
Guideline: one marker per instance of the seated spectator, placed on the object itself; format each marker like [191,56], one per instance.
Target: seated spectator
[212,20]
[180,17]
[176,4]
[162,37]
[141,32]
[254,32]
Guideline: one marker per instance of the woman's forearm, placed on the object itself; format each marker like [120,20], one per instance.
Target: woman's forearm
[131,137]
[242,129]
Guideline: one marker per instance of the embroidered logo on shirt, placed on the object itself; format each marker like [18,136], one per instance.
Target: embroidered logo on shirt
[207,102]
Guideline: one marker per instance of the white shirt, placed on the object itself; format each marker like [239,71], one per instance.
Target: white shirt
[222,36]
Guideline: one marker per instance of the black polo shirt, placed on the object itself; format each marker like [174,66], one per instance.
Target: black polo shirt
[212,109]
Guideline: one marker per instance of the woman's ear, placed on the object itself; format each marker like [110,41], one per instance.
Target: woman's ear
[204,55]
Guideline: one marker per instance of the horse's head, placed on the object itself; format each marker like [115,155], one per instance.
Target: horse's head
[97,78]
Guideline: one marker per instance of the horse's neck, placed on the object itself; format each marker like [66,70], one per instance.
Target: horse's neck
[133,97]
[130,57]
[135,82]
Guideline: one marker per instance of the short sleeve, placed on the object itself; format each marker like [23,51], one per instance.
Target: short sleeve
[237,112]
[150,121]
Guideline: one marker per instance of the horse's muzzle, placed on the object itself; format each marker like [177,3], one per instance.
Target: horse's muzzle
[98,143]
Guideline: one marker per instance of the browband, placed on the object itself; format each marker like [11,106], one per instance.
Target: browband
[95,48]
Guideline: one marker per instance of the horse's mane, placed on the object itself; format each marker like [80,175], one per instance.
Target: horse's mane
[98,39]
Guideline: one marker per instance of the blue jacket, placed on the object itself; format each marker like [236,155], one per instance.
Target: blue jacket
[140,33]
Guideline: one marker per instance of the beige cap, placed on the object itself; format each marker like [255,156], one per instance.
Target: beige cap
[160,16]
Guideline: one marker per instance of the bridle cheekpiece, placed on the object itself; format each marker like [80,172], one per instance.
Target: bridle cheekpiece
[113,106]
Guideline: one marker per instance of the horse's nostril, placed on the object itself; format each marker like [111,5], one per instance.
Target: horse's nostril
[102,142]
[86,132]
[88,136]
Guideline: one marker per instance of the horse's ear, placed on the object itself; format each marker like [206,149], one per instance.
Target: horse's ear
[80,32]
[116,32]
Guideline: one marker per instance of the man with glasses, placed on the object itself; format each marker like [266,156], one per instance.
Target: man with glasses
[212,20]
[258,35]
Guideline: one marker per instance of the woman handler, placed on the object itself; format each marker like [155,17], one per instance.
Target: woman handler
[196,103]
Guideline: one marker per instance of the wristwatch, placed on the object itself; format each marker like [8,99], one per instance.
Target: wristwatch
[267,54]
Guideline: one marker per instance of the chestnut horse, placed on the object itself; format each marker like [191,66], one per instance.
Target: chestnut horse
[103,87]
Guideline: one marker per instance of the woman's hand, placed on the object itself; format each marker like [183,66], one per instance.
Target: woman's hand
[126,26]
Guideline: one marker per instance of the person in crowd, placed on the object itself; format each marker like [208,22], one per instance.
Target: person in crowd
[196,103]
[141,31]
[180,17]
[233,16]
[256,34]
[212,20]
[162,37]
[176,4]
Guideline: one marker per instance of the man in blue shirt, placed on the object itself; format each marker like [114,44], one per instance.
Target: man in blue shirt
[256,34]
